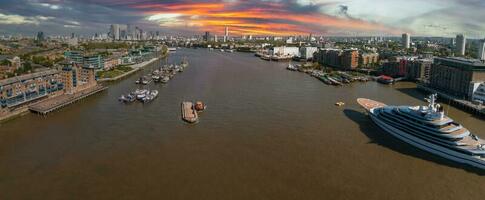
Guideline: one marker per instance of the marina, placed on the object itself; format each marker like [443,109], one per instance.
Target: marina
[267,132]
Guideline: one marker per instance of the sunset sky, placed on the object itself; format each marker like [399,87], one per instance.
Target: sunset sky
[269,17]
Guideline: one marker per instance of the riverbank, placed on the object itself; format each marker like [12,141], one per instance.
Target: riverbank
[55,103]
[135,68]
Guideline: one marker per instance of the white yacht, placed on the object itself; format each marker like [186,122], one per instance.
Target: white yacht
[428,128]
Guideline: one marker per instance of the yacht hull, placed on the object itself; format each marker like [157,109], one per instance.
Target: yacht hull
[427,146]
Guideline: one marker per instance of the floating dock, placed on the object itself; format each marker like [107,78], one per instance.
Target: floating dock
[189,114]
[56,103]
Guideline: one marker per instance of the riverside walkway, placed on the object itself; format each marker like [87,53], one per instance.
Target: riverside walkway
[55,103]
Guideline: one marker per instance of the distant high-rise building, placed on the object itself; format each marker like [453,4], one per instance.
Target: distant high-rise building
[40,36]
[215,38]
[226,34]
[481,50]
[115,31]
[406,40]
[207,36]
[460,45]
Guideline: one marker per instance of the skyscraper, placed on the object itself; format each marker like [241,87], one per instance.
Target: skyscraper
[207,36]
[406,40]
[460,45]
[115,31]
[40,36]
[215,38]
[226,34]
[481,50]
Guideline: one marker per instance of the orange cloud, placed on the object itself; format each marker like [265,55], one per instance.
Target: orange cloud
[274,19]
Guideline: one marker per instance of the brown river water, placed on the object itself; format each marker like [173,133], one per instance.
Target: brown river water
[267,133]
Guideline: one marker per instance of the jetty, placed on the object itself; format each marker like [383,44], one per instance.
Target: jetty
[468,106]
[189,114]
[56,103]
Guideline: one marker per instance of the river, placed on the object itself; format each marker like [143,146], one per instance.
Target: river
[267,133]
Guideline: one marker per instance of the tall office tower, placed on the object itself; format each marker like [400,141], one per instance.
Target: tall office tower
[226,34]
[406,40]
[115,31]
[40,36]
[215,38]
[207,36]
[481,50]
[460,45]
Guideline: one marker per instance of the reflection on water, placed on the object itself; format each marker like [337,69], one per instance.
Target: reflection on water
[268,133]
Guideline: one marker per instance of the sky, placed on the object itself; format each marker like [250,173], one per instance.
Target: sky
[248,17]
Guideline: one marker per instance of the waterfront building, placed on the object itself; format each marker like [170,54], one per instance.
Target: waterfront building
[74,56]
[460,45]
[397,66]
[306,53]
[368,59]
[284,50]
[481,50]
[349,59]
[406,40]
[20,90]
[95,61]
[419,70]
[329,57]
[479,93]
[90,60]
[111,63]
[457,76]
[77,77]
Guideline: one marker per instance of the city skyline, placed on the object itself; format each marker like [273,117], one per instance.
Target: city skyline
[277,17]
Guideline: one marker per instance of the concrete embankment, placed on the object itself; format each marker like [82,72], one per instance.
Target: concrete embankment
[55,103]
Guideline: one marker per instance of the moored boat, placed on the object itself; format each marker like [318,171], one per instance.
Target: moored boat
[385,79]
[429,129]
[200,106]
[189,114]
[150,96]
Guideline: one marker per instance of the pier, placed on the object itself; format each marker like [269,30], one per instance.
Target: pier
[56,103]
[460,103]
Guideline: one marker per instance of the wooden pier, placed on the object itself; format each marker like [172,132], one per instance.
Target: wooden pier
[56,103]
[468,106]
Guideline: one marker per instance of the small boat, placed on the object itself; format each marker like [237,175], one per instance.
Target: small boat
[150,96]
[291,67]
[165,79]
[156,78]
[200,106]
[385,80]
[140,94]
[340,103]
[189,114]
[127,98]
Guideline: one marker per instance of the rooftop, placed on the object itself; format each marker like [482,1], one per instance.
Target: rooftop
[27,77]
[462,63]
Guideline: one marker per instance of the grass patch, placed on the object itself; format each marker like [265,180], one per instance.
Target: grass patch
[117,71]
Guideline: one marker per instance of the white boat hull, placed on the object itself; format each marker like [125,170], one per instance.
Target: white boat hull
[427,146]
